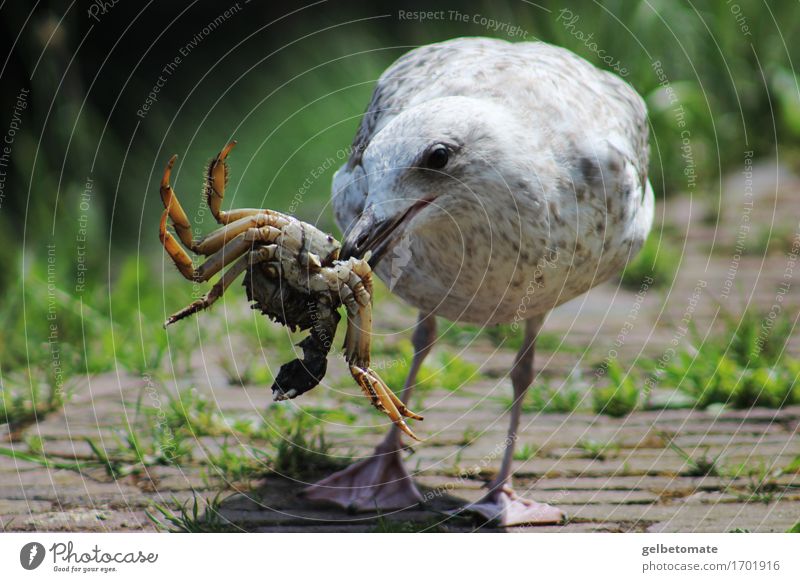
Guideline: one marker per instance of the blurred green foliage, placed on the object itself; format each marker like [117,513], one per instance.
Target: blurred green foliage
[654,266]
[745,365]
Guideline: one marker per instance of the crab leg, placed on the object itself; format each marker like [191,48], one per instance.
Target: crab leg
[355,290]
[258,255]
[214,241]
[395,400]
[216,180]
[353,281]
[383,398]
[179,220]
[235,248]
[173,209]
[217,239]
[175,251]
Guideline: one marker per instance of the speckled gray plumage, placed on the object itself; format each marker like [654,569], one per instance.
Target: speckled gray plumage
[545,197]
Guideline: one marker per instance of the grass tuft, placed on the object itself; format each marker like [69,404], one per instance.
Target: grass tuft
[526,452]
[566,398]
[598,450]
[620,397]
[192,516]
[27,398]
[301,451]
[696,466]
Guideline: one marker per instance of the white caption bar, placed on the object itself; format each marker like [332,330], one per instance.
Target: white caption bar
[390,557]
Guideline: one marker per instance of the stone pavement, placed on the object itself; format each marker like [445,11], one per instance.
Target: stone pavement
[639,485]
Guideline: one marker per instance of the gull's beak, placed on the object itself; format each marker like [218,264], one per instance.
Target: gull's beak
[371,233]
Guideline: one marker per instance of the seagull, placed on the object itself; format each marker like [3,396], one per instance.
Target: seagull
[488,182]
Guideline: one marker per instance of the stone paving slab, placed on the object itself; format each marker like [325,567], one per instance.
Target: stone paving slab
[638,486]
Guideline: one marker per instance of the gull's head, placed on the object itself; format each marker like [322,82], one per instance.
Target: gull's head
[435,166]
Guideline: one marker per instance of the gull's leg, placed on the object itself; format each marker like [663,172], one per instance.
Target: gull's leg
[381,481]
[502,503]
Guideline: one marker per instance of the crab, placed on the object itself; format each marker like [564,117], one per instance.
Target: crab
[292,274]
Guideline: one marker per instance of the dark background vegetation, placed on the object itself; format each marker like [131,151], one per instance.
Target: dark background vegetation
[291,88]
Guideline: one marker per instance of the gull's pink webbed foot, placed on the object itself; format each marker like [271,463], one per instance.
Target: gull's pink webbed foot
[380,481]
[508,509]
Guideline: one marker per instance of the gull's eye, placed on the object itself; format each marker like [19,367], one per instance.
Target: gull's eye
[437,157]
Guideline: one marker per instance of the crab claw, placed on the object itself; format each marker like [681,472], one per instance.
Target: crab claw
[299,376]
[384,399]
[216,179]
